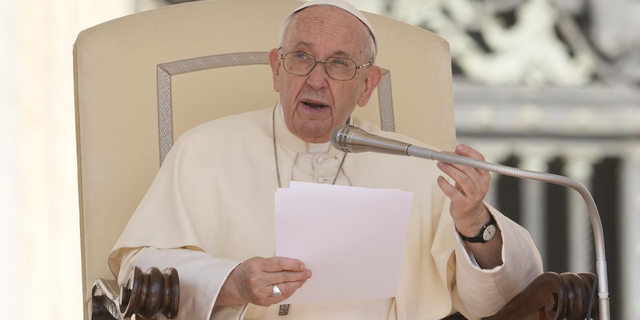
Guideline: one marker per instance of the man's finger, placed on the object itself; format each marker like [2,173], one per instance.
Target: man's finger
[290,287]
[449,190]
[464,150]
[464,180]
[467,151]
[287,276]
[277,264]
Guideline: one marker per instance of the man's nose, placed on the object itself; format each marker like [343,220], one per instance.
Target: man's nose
[318,75]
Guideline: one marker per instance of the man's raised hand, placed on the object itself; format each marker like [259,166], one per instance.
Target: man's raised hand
[467,209]
[467,205]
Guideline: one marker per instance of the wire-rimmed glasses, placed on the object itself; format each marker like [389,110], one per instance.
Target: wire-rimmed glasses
[337,68]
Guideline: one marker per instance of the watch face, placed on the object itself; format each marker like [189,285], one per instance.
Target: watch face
[489,232]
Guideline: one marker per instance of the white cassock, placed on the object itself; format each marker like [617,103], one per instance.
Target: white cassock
[214,195]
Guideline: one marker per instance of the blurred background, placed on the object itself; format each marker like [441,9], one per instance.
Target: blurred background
[545,85]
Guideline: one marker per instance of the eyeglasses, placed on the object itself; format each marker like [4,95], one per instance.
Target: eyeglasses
[301,64]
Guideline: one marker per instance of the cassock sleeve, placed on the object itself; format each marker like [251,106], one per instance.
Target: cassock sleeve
[485,292]
[184,214]
[201,278]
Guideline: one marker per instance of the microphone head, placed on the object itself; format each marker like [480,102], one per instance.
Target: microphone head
[349,138]
[339,137]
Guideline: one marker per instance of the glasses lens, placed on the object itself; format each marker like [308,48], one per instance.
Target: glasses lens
[341,68]
[298,63]
[301,64]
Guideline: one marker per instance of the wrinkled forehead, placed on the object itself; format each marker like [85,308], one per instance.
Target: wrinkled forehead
[326,23]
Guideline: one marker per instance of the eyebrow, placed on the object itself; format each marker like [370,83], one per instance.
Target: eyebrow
[310,45]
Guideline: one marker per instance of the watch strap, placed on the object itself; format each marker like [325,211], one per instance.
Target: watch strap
[480,237]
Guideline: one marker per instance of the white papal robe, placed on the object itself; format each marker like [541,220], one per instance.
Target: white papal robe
[214,197]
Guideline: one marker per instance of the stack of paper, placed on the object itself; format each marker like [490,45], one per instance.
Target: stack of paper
[352,239]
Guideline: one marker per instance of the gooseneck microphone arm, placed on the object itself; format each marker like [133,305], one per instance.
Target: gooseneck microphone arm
[353,139]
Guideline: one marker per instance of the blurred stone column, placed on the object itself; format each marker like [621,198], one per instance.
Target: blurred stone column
[535,158]
[630,257]
[494,153]
[581,246]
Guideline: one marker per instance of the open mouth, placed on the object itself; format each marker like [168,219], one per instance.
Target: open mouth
[315,105]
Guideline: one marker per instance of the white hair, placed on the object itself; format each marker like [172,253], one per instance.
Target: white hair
[370,50]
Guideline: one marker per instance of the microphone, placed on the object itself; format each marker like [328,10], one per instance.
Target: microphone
[352,139]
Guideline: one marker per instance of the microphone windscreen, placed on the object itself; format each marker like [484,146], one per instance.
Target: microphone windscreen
[336,134]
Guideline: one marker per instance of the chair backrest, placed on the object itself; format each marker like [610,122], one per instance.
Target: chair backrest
[143,80]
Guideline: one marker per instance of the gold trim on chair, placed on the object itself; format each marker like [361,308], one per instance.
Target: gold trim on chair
[385,101]
[166,70]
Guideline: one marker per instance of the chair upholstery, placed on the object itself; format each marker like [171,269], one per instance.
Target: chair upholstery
[143,80]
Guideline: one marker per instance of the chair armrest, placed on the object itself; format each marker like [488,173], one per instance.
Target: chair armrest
[145,294]
[552,296]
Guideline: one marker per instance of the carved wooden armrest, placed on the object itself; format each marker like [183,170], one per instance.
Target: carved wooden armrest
[145,294]
[552,296]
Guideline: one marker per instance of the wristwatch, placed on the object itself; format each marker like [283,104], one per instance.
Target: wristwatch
[487,233]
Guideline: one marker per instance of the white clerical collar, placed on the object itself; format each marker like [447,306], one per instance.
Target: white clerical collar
[314,148]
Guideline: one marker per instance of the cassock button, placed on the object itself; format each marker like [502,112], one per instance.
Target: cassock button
[320,180]
[320,160]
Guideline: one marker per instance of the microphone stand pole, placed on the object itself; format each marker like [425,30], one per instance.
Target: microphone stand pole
[601,263]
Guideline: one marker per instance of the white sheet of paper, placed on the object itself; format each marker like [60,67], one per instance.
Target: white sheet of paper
[352,239]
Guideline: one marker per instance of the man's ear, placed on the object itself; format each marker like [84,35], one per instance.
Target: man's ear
[274,62]
[370,83]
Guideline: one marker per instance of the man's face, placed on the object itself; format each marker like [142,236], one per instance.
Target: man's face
[314,104]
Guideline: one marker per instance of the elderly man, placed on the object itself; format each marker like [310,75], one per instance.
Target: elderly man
[211,205]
